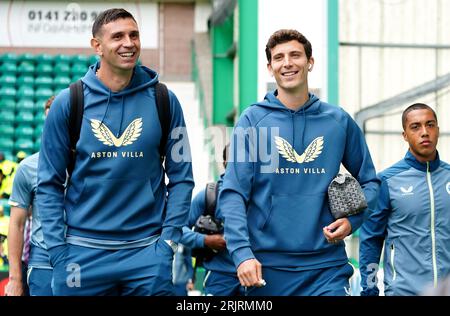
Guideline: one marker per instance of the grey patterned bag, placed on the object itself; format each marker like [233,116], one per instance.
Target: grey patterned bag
[345,196]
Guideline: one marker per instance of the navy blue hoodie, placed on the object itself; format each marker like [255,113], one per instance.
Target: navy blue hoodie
[274,196]
[117,193]
[221,262]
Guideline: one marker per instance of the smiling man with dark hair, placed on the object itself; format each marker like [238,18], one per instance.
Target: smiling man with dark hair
[279,230]
[123,221]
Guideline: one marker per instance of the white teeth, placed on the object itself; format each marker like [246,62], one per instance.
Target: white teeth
[289,73]
[126,54]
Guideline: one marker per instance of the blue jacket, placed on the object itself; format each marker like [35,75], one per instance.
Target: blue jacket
[274,196]
[222,261]
[117,195]
[23,195]
[412,218]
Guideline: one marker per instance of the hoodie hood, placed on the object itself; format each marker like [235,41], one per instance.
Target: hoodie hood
[311,106]
[142,78]
[272,102]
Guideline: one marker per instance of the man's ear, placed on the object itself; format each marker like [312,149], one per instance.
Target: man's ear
[96,45]
[405,137]
[311,63]
[269,69]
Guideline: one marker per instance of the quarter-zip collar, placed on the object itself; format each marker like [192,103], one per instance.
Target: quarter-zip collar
[422,166]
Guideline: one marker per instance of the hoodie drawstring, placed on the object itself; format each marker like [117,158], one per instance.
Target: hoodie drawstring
[107,107]
[121,118]
[293,127]
[311,106]
[303,129]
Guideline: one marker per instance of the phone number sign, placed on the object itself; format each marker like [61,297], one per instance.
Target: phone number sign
[66,24]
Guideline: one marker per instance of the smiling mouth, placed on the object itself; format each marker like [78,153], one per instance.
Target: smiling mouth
[127,55]
[289,73]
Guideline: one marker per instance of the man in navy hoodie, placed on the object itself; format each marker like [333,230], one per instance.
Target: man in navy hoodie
[284,153]
[122,220]
[220,279]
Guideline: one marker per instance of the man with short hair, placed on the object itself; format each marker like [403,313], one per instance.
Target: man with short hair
[412,217]
[123,221]
[284,153]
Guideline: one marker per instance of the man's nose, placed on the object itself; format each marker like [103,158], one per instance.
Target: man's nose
[287,61]
[424,131]
[128,41]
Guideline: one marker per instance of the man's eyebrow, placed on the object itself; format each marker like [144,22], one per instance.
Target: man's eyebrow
[117,33]
[134,32]
[418,122]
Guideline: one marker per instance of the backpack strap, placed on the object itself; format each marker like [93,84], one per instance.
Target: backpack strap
[75,119]
[211,198]
[163,107]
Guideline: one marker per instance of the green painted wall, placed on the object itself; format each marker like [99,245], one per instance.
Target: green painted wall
[333,52]
[223,70]
[248,53]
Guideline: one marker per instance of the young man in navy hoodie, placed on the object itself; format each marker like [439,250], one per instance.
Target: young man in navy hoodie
[122,220]
[285,151]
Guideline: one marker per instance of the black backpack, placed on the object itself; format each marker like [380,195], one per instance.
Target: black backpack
[207,224]
[77,109]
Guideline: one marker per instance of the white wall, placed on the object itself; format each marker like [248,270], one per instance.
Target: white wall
[202,13]
[370,75]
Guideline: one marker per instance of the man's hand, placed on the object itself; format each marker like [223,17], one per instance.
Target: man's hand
[215,242]
[338,230]
[249,273]
[190,285]
[14,288]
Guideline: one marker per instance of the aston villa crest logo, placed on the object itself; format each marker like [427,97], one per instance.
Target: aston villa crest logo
[288,152]
[128,137]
